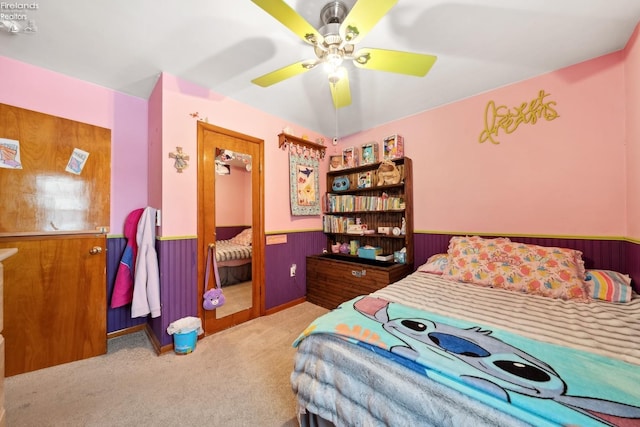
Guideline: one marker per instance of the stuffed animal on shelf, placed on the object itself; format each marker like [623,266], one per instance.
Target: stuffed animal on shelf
[388,173]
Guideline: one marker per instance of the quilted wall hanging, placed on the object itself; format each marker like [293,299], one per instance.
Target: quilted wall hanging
[304,180]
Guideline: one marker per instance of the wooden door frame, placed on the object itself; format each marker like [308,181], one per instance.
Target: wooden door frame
[258,270]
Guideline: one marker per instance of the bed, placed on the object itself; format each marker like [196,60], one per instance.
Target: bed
[233,257]
[436,349]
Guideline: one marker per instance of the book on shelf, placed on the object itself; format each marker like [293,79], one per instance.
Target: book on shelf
[352,203]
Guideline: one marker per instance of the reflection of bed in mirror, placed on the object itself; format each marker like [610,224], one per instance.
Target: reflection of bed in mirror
[233,255]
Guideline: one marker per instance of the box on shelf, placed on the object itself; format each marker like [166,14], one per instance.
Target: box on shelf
[370,153]
[370,252]
[350,157]
[384,230]
[356,229]
[393,147]
[335,162]
[400,257]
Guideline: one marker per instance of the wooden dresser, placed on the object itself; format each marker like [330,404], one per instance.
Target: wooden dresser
[4,254]
[333,278]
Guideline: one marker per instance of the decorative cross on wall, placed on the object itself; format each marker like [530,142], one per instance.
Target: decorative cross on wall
[180,159]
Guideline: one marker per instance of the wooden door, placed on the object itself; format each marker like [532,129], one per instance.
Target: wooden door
[55,301]
[55,187]
[211,138]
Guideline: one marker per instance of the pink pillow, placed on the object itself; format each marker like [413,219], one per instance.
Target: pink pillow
[436,264]
[546,271]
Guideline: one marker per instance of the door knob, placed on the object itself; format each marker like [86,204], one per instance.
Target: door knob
[95,250]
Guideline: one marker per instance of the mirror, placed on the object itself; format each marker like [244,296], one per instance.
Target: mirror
[234,229]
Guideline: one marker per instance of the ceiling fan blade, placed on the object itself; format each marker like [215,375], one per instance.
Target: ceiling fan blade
[291,19]
[362,18]
[340,91]
[393,61]
[284,73]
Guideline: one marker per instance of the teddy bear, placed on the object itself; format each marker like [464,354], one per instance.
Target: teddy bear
[388,173]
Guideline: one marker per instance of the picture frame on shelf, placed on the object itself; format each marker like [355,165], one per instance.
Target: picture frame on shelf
[335,162]
[370,153]
[393,147]
[364,179]
[349,157]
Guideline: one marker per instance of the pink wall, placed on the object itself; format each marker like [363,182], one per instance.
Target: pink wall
[233,198]
[154,154]
[632,79]
[37,89]
[179,191]
[560,177]
[541,179]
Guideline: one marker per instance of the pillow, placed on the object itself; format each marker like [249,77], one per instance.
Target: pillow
[546,271]
[609,285]
[244,238]
[436,264]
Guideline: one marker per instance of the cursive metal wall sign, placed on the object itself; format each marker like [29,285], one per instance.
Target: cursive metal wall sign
[497,118]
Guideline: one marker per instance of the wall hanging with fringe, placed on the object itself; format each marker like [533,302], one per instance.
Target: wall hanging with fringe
[304,180]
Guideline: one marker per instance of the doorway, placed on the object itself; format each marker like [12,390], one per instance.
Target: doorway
[231,212]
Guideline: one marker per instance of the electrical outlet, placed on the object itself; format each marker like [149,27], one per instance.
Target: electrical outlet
[292,270]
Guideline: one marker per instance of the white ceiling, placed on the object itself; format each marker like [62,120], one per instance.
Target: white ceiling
[223,45]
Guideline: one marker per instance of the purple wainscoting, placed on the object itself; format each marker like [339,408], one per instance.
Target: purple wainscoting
[633,263]
[178,284]
[117,318]
[179,291]
[615,255]
[280,288]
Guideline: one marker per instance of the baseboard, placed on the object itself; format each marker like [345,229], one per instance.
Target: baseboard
[126,331]
[285,306]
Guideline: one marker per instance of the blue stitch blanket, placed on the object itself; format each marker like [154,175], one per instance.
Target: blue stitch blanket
[538,382]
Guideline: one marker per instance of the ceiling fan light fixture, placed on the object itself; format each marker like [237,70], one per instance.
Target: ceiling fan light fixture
[334,56]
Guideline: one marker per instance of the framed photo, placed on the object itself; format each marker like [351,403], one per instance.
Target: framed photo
[364,179]
[304,185]
[349,157]
[335,162]
[369,153]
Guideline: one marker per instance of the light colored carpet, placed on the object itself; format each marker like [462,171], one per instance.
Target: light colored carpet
[237,377]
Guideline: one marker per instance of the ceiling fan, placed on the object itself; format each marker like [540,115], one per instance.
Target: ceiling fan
[335,42]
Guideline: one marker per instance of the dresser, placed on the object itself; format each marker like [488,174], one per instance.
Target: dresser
[4,254]
[333,278]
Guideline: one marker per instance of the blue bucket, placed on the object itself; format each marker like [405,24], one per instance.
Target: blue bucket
[184,342]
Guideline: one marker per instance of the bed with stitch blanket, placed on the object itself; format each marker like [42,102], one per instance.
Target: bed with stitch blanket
[233,257]
[492,333]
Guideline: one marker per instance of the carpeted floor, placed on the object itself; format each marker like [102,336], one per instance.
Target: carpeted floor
[237,377]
